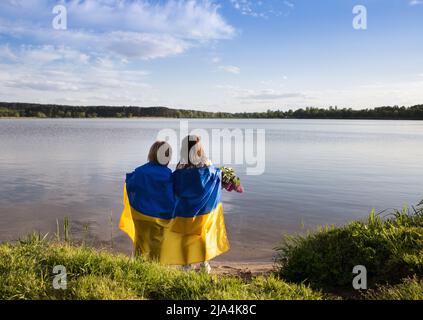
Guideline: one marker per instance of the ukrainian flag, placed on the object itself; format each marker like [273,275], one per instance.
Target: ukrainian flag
[192,231]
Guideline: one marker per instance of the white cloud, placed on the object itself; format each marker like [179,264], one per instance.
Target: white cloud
[260,95]
[415,2]
[99,58]
[262,9]
[47,54]
[6,53]
[289,4]
[216,60]
[270,94]
[230,69]
[190,19]
[130,28]
[62,75]
[369,96]
[121,44]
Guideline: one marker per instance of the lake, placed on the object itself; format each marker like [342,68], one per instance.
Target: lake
[317,172]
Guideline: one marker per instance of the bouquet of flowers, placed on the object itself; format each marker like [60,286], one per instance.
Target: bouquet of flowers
[230,181]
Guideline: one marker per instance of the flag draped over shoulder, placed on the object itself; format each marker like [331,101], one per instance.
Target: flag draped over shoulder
[184,228]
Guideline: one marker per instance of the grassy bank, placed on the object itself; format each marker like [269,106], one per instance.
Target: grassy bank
[309,267]
[390,247]
[26,273]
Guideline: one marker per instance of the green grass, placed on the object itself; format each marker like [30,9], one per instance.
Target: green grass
[391,249]
[310,267]
[408,289]
[26,273]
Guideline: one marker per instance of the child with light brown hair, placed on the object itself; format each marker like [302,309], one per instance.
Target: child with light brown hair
[149,199]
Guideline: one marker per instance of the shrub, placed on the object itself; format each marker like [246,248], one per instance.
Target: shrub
[390,249]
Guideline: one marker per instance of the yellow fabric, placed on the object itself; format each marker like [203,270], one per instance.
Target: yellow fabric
[178,241]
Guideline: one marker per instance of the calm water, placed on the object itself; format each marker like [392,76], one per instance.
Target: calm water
[317,172]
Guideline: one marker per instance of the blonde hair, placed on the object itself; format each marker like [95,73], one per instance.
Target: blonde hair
[192,151]
[160,152]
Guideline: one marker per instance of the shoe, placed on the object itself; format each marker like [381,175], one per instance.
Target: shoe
[205,267]
[186,268]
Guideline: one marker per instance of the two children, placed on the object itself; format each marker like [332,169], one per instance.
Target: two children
[176,218]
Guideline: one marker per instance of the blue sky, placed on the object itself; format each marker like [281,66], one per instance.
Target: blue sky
[237,55]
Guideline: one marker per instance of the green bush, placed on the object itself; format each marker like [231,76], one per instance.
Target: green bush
[390,249]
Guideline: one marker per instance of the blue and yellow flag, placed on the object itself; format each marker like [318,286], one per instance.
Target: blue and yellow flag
[177,220]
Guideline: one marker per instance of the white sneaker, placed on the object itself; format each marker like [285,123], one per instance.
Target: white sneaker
[205,267]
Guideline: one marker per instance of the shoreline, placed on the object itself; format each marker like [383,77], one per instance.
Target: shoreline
[201,118]
[44,110]
[242,268]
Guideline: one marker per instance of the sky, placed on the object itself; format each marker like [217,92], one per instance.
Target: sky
[228,55]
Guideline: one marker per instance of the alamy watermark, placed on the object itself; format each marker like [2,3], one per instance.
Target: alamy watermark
[360,280]
[60,278]
[360,17]
[60,21]
[235,146]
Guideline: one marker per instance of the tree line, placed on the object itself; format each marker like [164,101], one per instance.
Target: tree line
[61,111]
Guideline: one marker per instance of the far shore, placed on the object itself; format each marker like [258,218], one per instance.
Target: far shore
[194,119]
[16,109]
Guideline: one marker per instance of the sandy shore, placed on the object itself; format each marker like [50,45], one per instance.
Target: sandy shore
[243,269]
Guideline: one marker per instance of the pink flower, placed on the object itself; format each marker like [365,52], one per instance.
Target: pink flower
[240,189]
[230,187]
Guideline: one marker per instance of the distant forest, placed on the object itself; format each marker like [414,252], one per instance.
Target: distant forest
[61,111]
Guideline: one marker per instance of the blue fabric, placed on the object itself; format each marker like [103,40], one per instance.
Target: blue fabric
[150,190]
[197,191]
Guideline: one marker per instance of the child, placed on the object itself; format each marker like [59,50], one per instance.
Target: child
[149,203]
[198,201]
